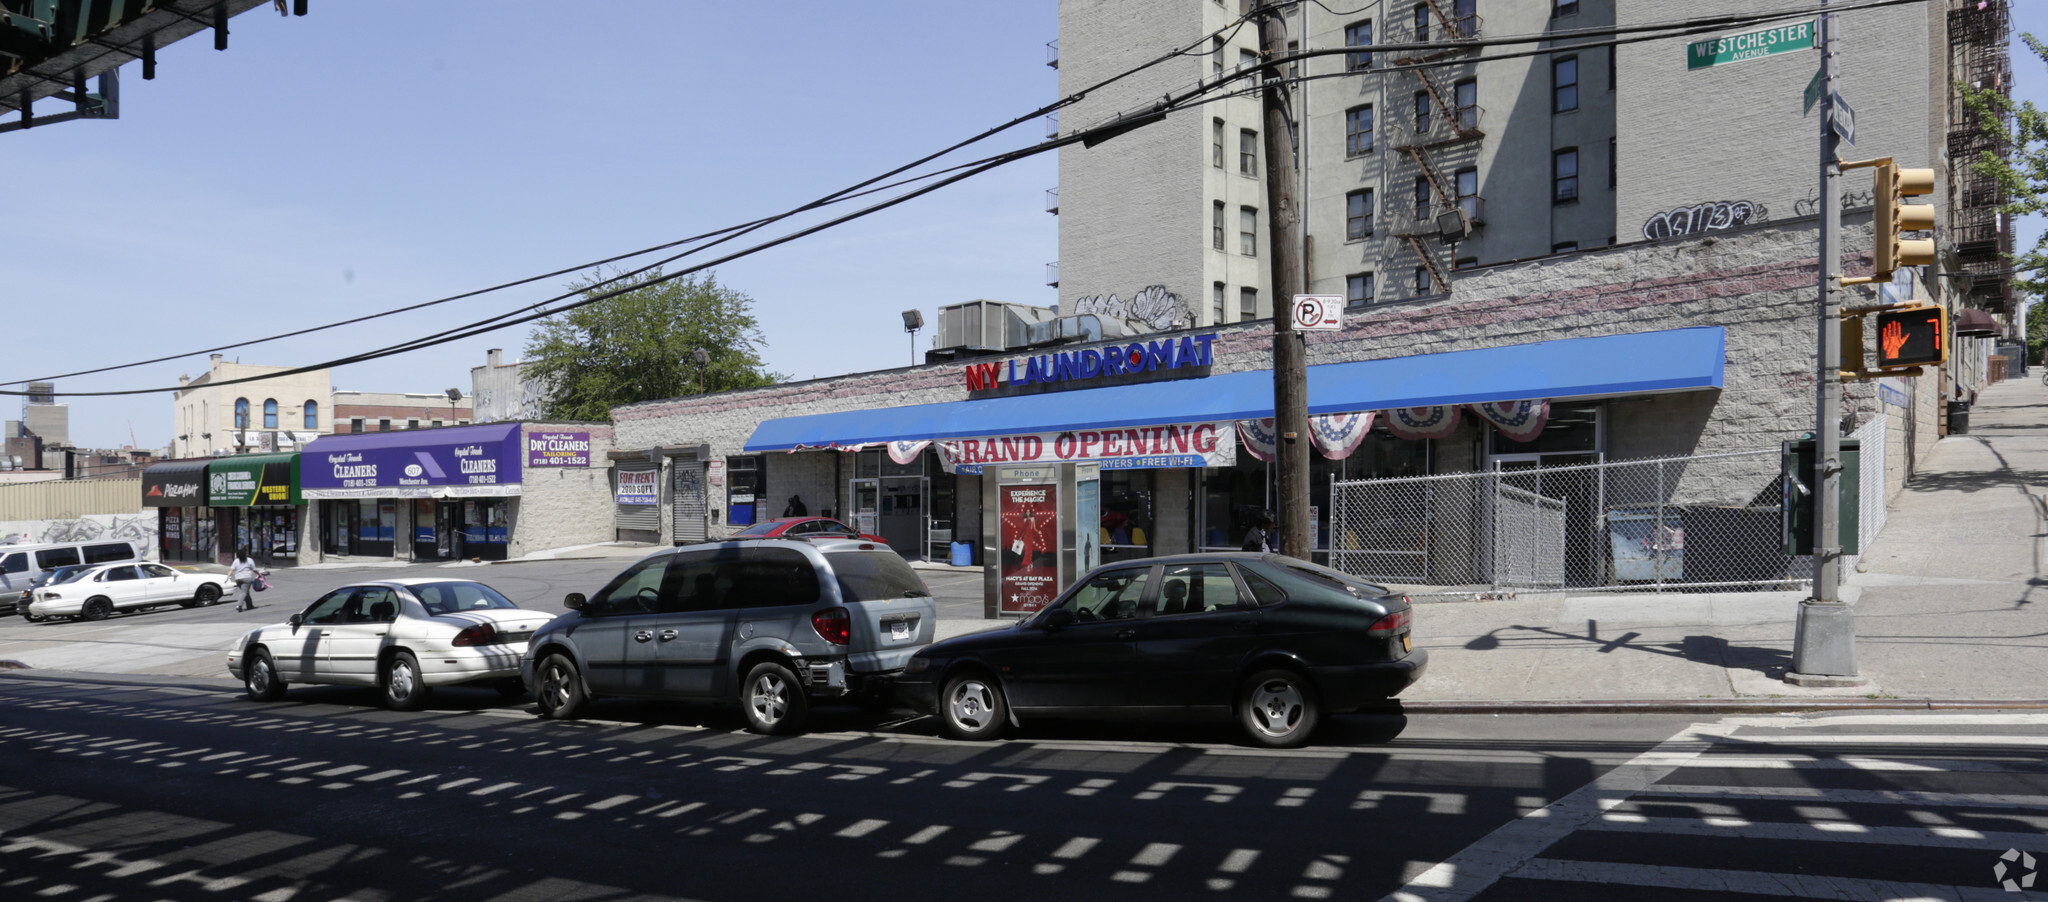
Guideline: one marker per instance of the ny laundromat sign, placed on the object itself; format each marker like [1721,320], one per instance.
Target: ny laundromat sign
[1749,45]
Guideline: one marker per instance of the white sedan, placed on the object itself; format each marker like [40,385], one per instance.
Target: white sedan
[404,636]
[97,591]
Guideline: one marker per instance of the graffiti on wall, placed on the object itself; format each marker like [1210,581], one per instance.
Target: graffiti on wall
[139,528]
[1707,217]
[1851,200]
[1153,305]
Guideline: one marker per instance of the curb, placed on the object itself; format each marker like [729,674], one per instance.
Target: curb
[1716,705]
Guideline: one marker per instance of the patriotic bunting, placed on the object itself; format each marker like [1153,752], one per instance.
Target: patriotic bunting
[1519,420]
[1418,423]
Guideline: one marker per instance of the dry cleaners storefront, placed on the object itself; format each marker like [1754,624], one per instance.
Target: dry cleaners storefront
[419,494]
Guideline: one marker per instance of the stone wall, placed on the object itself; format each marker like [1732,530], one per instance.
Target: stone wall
[563,506]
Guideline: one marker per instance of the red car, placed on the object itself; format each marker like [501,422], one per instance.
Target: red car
[806,528]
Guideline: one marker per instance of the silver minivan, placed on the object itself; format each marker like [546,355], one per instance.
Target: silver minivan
[770,623]
[22,567]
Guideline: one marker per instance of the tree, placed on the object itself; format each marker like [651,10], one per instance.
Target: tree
[640,345]
[2024,174]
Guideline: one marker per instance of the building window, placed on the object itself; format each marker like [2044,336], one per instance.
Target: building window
[1422,111]
[1358,131]
[355,425]
[1564,84]
[1564,247]
[1247,303]
[1421,22]
[1216,143]
[1216,58]
[1466,96]
[1422,280]
[1466,12]
[1358,34]
[1468,192]
[1216,225]
[270,413]
[241,413]
[1422,192]
[412,424]
[383,425]
[1358,215]
[436,423]
[1358,289]
[313,415]
[1565,178]
[1248,63]
[1248,231]
[1612,164]
[1293,65]
[1564,8]
[1216,303]
[1247,152]
[1466,263]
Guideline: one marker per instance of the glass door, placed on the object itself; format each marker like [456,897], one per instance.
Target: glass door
[865,515]
[902,516]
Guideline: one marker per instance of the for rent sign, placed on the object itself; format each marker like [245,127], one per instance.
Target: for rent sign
[1182,445]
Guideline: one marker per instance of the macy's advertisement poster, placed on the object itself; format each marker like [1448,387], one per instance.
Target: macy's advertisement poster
[1030,547]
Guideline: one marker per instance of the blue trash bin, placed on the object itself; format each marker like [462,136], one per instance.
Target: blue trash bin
[963,554]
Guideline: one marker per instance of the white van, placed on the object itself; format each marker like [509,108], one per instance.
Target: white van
[22,566]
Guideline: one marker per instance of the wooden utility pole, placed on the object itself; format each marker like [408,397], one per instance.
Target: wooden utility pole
[1290,357]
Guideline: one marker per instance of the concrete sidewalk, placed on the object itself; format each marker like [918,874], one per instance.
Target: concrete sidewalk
[1944,600]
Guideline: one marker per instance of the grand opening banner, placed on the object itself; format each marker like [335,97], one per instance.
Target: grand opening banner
[1181,445]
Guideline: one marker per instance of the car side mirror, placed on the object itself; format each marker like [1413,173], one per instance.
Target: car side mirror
[297,621]
[574,601]
[1059,619]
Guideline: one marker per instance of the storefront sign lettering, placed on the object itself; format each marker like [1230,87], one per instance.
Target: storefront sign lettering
[1183,445]
[558,449]
[1109,363]
[331,465]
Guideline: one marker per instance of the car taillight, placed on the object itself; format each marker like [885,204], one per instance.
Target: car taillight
[481,634]
[1390,624]
[834,625]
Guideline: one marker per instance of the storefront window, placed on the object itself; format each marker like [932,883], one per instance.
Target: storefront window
[1233,499]
[1572,429]
[1128,519]
[744,482]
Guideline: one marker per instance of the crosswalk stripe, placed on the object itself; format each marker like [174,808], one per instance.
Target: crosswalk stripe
[1848,796]
[1824,831]
[1783,886]
[1891,763]
[1912,739]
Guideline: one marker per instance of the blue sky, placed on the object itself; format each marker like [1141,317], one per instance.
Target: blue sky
[375,154]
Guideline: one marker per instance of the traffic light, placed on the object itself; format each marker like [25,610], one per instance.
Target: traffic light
[1892,216]
[1912,336]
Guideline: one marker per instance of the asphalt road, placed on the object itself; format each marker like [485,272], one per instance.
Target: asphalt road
[134,787]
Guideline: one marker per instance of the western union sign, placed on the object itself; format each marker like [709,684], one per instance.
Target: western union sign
[1749,45]
[253,479]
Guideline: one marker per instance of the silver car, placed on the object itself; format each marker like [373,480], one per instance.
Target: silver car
[769,623]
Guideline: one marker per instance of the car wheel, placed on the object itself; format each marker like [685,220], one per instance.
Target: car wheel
[96,609]
[404,689]
[260,678]
[774,701]
[972,708]
[509,688]
[1277,709]
[558,688]
[208,594]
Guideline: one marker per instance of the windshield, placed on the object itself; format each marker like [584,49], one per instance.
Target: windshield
[61,575]
[875,575]
[457,596]
[758,529]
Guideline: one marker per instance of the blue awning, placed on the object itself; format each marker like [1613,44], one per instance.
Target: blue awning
[1603,366]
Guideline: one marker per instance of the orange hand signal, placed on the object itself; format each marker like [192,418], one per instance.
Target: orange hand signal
[1893,339]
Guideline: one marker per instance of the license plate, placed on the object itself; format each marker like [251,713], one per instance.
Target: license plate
[900,630]
[1405,644]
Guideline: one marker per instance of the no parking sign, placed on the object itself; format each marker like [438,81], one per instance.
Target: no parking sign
[1318,311]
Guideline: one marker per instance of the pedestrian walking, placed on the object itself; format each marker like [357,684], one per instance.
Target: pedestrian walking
[796,507]
[244,573]
[1260,536]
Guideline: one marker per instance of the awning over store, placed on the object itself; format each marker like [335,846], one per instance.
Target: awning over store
[1602,366]
[454,462]
[176,483]
[245,480]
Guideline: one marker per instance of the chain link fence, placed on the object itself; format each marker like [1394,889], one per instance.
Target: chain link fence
[1705,522]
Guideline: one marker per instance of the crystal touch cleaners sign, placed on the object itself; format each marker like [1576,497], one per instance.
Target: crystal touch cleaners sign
[1133,362]
[383,466]
[558,449]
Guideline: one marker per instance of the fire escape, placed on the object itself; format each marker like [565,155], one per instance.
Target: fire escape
[1982,236]
[1435,134]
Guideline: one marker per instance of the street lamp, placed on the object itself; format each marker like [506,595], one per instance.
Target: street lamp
[454,395]
[913,320]
[702,358]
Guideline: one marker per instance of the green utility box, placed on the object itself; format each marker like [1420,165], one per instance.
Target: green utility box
[1800,482]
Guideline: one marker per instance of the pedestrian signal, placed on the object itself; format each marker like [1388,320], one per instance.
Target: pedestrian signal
[1912,336]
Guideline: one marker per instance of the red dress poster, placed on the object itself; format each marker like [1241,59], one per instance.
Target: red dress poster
[1030,547]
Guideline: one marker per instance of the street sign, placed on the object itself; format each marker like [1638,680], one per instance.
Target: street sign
[1749,45]
[1842,118]
[1321,312]
[1812,95]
